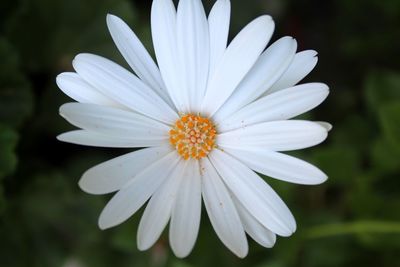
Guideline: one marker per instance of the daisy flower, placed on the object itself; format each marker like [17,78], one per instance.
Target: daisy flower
[208,117]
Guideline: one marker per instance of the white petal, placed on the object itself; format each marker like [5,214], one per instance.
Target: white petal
[282,105]
[267,70]
[254,228]
[163,30]
[278,165]
[326,125]
[218,21]
[88,138]
[302,64]
[275,135]
[193,49]
[237,60]
[222,212]
[185,220]
[123,87]
[136,55]
[76,88]
[112,175]
[114,122]
[133,195]
[254,194]
[158,210]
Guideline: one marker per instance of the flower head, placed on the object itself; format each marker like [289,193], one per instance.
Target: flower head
[207,117]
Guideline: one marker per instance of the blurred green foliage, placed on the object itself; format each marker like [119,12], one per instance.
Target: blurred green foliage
[351,220]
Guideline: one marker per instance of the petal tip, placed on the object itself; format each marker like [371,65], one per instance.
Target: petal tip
[83,185]
[112,19]
[102,224]
[110,16]
[64,77]
[314,53]
[141,245]
[64,108]
[326,125]
[241,256]
[267,17]
[59,78]
[58,137]
[61,138]
[324,179]
[83,56]
[242,253]
[142,248]
[180,251]
[263,19]
[267,20]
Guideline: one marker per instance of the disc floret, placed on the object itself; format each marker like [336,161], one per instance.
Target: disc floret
[193,136]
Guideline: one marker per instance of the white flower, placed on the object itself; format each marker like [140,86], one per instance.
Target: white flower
[208,117]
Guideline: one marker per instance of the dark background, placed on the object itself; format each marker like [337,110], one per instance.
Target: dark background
[351,220]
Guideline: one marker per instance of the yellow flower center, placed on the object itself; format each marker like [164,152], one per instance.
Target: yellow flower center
[193,136]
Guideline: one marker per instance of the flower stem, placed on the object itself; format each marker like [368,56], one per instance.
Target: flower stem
[359,227]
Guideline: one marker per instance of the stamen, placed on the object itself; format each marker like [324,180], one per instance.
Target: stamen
[193,136]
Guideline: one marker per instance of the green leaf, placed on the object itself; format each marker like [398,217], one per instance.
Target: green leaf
[389,116]
[382,88]
[384,156]
[8,158]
